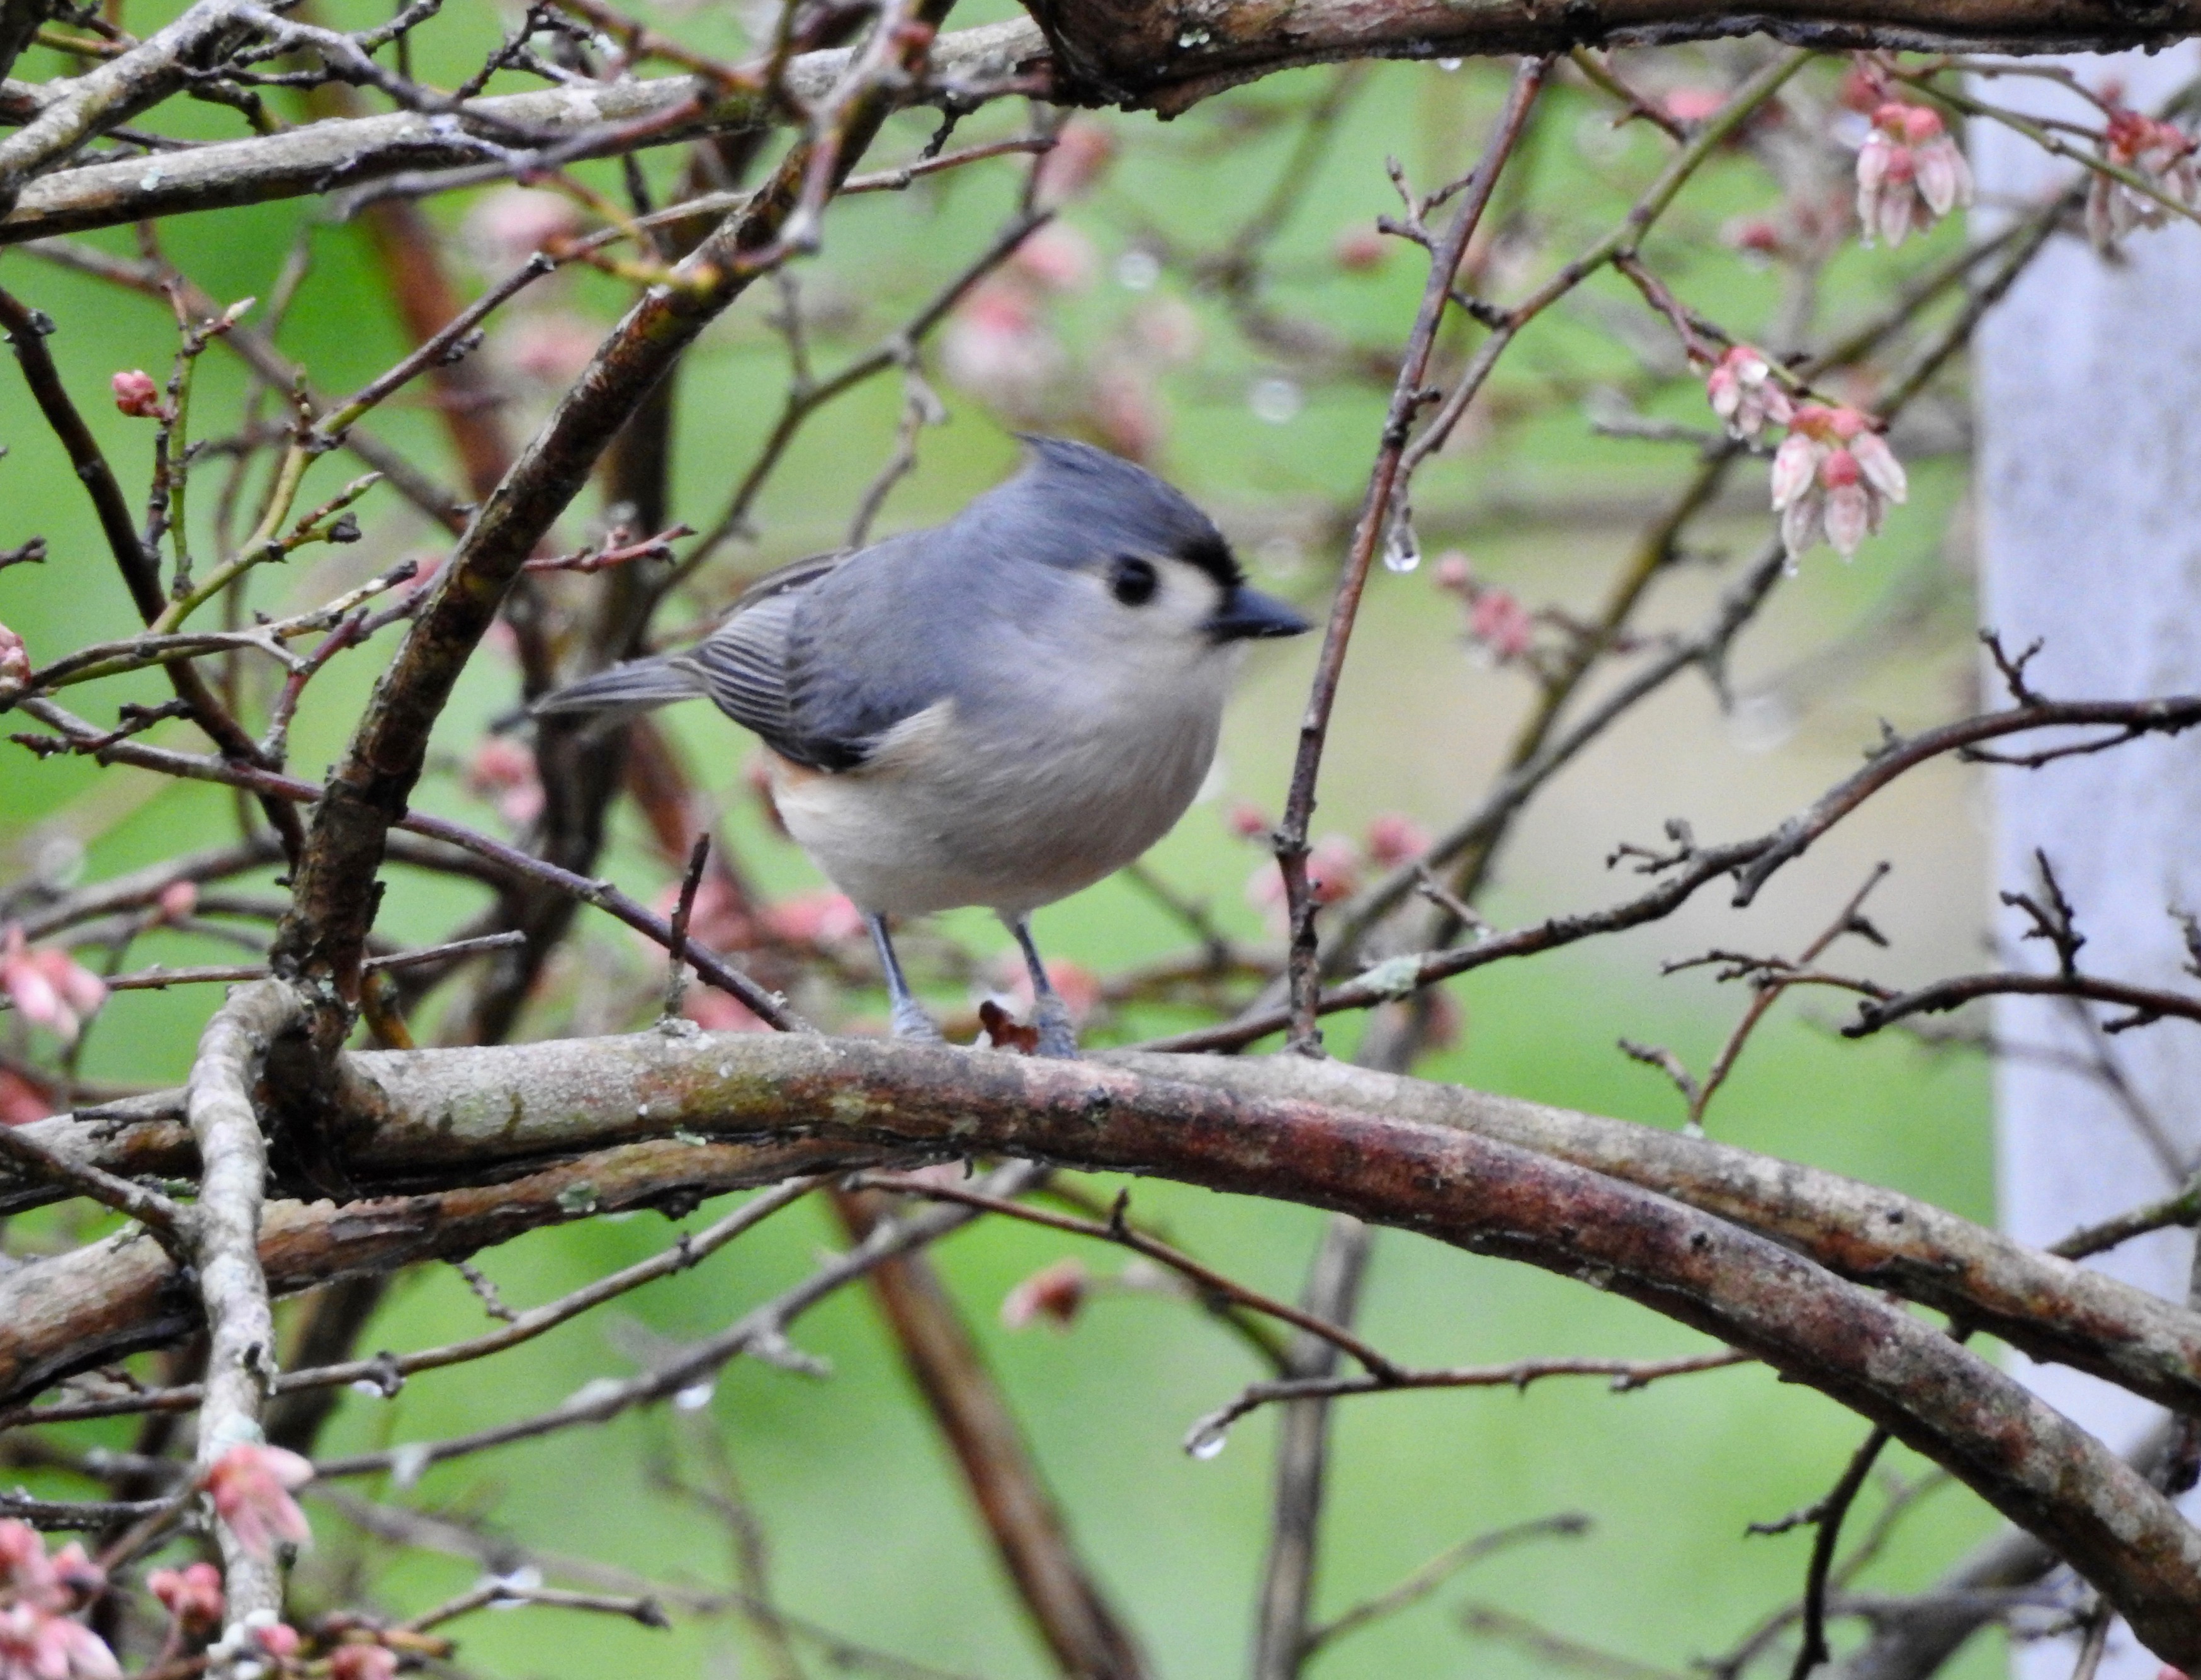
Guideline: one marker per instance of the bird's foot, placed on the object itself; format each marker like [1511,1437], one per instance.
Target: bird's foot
[1057,1038]
[912,1024]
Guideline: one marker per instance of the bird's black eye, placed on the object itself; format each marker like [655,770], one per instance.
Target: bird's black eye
[1133,580]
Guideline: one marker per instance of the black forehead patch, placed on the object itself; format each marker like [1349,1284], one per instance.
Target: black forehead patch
[1212,555]
[1074,507]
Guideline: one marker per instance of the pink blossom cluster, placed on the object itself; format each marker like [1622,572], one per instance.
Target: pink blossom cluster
[49,987]
[2162,153]
[250,1487]
[1910,173]
[1497,621]
[1833,477]
[191,1594]
[1744,394]
[40,1638]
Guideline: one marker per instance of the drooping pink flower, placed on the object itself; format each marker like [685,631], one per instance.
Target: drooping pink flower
[1393,839]
[251,1486]
[192,1594]
[1833,479]
[38,1639]
[503,770]
[14,661]
[2162,153]
[1745,395]
[49,987]
[1910,173]
[1055,1293]
[819,917]
[362,1662]
[36,1644]
[136,394]
[25,1568]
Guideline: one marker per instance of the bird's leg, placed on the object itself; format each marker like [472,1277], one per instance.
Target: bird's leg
[1050,1014]
[909,1020]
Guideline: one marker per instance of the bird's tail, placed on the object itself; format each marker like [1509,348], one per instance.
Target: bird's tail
[635,686]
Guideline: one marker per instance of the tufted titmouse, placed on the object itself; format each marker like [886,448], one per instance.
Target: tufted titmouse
[999,711]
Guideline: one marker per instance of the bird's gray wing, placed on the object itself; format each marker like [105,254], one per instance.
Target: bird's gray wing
[870,644]
[742,666]
[815,659]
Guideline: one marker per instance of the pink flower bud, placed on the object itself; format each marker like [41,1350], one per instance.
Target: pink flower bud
[21,1102]
[1881,469]
[50,987]
[1501,623]
[136,394]
[1056,1293]
[192,1594]
[1247,820]
[178,899]
[279,1640]
[1359,250]
[14,660]
[1393,839]
[362,1662]
[1334,869]
[1693,104]
[1454,571]
[1793,465]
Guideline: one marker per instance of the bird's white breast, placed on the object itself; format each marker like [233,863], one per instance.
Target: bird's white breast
[1014,810]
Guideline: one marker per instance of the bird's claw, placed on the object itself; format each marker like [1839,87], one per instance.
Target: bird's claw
[911,1022]
[1058,1039]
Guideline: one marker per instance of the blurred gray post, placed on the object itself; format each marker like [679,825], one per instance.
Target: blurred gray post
[2088,391]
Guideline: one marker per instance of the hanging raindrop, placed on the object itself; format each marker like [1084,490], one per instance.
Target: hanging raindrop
[1402,549]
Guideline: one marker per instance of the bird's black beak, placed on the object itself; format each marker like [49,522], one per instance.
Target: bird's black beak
[1247,614]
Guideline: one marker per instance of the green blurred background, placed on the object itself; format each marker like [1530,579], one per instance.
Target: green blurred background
[869,1531]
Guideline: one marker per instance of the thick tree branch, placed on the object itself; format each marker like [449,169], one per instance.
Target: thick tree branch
[233,1290]
[799,1103]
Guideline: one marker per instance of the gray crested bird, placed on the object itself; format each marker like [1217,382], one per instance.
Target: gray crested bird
[999,711]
